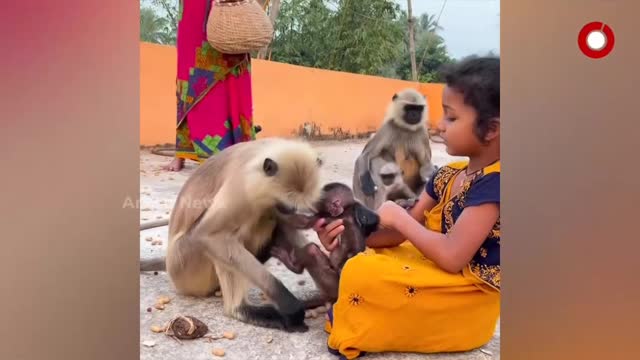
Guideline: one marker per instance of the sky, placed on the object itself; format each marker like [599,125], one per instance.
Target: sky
[469,26]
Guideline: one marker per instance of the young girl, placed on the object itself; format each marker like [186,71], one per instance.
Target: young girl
[429,280]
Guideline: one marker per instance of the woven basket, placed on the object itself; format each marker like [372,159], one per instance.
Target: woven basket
[238,27]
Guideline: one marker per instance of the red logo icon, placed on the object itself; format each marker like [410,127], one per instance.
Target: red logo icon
[596,40]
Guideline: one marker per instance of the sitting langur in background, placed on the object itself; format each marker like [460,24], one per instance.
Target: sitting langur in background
[227,217]
[359,222]
[393,187]
[403,139]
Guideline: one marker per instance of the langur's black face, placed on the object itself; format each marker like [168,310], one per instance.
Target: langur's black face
[412,113]
[338,203]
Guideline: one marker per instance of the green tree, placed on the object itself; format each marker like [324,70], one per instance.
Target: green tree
[431,52]
[364,36]
[301,33]
[156,28]
[171,9]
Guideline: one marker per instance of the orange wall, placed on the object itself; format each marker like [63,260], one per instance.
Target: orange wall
[284,97]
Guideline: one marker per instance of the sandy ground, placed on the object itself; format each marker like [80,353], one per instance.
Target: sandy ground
[158,193]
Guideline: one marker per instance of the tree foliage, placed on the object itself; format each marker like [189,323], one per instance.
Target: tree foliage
[158,21]
[366,37]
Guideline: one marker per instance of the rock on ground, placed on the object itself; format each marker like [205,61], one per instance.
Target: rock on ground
[158,191]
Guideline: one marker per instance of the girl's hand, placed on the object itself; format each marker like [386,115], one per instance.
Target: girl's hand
[389,213]
[328,234]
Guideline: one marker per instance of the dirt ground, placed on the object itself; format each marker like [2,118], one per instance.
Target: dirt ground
[158,191]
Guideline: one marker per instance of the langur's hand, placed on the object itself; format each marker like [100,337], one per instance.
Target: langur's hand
[328,234]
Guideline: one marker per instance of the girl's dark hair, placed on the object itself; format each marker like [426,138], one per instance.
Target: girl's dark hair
[478,79]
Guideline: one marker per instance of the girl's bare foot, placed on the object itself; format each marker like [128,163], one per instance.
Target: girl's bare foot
[176,165]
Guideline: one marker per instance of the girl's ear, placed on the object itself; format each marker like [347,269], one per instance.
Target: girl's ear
[494,130]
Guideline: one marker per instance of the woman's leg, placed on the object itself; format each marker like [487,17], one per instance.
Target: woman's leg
[176,164]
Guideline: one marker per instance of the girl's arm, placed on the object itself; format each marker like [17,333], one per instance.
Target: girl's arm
[451,251]
[390,237]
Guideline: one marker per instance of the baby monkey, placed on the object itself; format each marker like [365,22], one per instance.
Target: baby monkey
[359,222]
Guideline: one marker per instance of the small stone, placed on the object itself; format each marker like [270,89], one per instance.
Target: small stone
[149,309]
[301,282]
[149,343]
[155,273]
[218,293]
[146,209]
[269,340]
[218,352]
[149,239]
[164,300]
[158,217]
[159,306]
[230,335]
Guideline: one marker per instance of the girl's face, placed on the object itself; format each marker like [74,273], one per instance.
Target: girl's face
[457,126]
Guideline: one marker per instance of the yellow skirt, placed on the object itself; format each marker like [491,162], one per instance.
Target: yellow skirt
[396,300]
